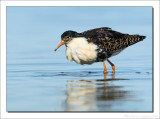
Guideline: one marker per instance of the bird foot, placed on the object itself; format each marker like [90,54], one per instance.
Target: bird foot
[113,67]
[105,71]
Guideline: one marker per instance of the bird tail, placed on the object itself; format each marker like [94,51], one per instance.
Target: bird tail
[132,39]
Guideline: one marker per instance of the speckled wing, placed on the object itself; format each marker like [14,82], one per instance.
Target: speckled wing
[110,42]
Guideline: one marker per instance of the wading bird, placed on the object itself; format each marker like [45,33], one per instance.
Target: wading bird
[96,45]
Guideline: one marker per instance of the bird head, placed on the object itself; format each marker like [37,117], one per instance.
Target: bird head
[67,36]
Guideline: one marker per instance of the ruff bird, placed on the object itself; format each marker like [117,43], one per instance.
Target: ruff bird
[96,45]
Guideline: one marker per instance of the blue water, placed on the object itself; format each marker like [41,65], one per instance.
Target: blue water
[39,79]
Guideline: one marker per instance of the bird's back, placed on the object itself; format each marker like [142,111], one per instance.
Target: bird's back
[110,42]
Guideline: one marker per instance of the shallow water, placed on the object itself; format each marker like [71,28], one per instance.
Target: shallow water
[39,79]
[45,89]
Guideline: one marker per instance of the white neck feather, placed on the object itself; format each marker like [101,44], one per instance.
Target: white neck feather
[80,51]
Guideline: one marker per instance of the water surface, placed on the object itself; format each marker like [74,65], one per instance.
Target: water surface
[39,79]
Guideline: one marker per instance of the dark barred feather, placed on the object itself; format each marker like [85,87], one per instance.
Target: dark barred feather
[110,42]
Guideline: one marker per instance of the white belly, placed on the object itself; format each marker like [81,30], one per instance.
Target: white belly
[80,51]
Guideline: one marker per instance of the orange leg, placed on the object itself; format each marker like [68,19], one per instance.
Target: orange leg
[105,69]
[105,77]
[113,66]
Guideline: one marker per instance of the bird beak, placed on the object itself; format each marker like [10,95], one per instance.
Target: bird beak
[61,43]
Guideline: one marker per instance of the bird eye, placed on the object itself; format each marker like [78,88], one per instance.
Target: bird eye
[67,38]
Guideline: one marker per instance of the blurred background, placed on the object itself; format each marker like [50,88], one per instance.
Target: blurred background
[39,79]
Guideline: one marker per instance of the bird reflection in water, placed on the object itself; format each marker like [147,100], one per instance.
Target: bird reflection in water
[93,95]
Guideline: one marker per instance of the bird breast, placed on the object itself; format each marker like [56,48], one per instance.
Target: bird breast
[80,51]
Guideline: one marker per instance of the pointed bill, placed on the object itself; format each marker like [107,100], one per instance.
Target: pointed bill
[61,43]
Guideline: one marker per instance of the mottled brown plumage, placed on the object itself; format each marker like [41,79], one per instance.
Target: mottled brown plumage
[96,45]
[110,42]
